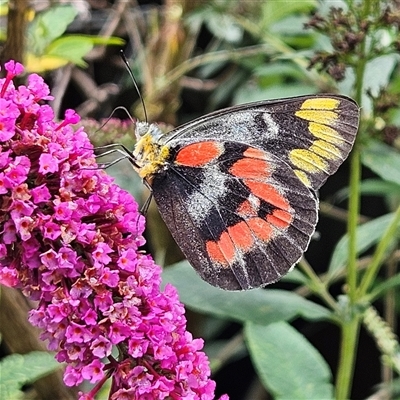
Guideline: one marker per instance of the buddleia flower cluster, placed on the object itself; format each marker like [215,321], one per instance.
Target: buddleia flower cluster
[70,239]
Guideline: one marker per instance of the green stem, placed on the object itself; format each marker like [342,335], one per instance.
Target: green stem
[350,330]
[316,285]
[350,320]
[354,210]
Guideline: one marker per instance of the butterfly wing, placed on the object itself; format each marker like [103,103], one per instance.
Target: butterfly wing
[312,134]
[240,214]
[237,187]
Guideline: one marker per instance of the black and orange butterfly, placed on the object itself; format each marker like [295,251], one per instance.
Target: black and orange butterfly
[237,187]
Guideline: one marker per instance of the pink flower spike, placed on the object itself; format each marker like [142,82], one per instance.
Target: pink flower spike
[49,259]
[24,227]
[101,347]
[38,87]
[9,113]
[8,277]
[72,377]
[128,260]
[93,372]
[70,240]
[71,117]
[40,194]
[13,69]
[47,164]
[100,254]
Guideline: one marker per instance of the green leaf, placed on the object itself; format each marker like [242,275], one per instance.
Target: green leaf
[48,26]
[296,276]
[224,27]
[368,234]
[70,48]
[277,73]
[377,76]
[372,187]
[383,160]
[384,286]
[219,21]
[287,364]
[274,11]
[17,370]
[258,305]
[293,27]
[74,47]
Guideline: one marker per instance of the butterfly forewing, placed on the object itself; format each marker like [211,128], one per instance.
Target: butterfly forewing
[313,134]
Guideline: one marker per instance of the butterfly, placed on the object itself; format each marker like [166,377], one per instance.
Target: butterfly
[237,187]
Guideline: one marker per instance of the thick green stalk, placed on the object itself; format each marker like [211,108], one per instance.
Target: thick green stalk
[348,350]
[352,222]
[350,322]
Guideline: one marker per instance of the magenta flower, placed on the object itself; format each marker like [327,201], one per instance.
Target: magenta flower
[69,238]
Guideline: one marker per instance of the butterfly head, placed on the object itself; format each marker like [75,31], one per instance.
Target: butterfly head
[144,128]
[149,154]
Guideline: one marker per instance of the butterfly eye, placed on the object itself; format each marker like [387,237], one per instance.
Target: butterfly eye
[141,129]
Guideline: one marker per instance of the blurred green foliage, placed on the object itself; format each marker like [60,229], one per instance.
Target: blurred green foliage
[17,370]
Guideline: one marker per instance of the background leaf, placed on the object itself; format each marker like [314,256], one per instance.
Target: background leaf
[49,25]
[274,11]
[372,187]
[287,364]
[17,370]
[383,160]
[258,305]
[368,234]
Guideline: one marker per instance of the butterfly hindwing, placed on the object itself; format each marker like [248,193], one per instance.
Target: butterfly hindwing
[240,215]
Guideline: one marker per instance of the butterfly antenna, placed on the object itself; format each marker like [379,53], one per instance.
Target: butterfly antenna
[135,84]
[111,115]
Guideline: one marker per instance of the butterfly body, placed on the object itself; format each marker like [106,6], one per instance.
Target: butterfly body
[237,187]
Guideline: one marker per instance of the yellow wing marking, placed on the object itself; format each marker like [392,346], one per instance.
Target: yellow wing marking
[325,133]
[303,177]
[307,160]
[325,150]
[320,103]
[322,116]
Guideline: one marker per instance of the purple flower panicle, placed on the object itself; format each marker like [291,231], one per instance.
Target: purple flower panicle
[69,238]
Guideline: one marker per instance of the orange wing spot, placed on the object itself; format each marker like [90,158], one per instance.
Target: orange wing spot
[198,154]
[246,209]
[227,247]
[251,168]
[268,193]
[280,218]
[261,228]
[251,152]
[222,251]
[240,234]
[215,253]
